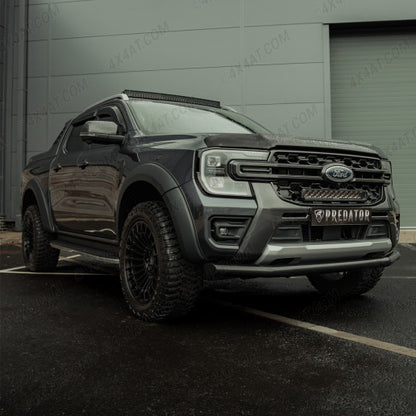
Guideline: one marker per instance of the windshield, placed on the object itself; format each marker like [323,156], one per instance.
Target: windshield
[165,118]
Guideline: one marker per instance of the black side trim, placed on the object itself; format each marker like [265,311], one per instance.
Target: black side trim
[92,248]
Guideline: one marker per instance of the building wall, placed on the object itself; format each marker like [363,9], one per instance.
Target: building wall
[267,58]
[13,87]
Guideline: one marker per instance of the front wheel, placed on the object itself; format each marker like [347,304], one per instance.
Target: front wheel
[158,283]
[349,283]
[38,254]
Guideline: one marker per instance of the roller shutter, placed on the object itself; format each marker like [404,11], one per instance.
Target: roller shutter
[373,94]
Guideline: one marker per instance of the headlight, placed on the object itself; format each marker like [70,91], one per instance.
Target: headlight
[214,176]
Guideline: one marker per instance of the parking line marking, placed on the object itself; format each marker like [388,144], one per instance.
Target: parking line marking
[386,346]
[13,269]
[399,277]
[54,273]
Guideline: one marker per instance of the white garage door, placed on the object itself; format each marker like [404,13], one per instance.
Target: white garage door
[373,92]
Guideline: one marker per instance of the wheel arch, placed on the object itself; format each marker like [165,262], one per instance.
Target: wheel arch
[152,182]
[33,194]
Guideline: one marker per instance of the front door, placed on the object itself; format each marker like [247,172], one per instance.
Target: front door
[64,178]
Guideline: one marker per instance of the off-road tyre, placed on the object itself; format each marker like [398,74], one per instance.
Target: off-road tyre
[349,283]
[38,255]
[158,283]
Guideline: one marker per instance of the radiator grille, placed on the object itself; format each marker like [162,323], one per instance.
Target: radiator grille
[297,177]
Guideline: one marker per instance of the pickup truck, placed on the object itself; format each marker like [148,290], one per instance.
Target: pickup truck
[181,189]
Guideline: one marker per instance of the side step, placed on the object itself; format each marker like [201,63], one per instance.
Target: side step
[103,255]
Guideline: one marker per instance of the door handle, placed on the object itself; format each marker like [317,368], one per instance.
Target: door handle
[57,167]
[83,164]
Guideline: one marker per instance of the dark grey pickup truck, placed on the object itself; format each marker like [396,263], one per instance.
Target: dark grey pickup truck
[180,189]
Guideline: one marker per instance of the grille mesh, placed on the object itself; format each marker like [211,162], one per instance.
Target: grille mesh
[366,188]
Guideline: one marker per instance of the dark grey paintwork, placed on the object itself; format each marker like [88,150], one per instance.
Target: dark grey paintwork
[83,195]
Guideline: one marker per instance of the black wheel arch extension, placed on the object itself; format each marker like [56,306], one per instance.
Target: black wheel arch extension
[152,181]
[33,194]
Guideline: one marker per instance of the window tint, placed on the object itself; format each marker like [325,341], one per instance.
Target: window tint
[75,143]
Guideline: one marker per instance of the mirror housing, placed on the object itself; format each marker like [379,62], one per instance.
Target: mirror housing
[100,131]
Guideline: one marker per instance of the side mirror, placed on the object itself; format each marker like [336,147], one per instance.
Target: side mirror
[99,131]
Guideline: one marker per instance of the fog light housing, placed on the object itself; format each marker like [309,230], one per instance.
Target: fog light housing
[378,229]
[229,229]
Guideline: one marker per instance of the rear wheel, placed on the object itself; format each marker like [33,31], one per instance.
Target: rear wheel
[158,283]
[38,254]
[349,283]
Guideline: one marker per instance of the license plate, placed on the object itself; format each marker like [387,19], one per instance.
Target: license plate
[340,216]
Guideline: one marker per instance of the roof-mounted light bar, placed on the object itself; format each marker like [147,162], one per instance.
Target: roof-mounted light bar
[171,97]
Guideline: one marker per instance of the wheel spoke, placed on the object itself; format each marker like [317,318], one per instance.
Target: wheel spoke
[141,262]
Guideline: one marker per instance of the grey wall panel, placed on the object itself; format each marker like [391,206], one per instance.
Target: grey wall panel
[45,130]
[133,16]
[270,12]
[301,120]
[38,64]
[37,139]
[271,84]
[39,19]
[201,48]
[72,94]
[282,44]
[37,97]
[263,12]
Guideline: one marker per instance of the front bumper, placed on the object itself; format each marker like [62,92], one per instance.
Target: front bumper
[226,271]
[262,245]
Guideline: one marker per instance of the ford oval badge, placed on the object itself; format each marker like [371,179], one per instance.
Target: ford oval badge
[337,173]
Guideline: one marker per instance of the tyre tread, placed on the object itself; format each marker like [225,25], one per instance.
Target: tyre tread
[44,257]
[179,286]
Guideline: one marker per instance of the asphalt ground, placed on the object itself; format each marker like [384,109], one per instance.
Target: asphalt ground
[69,346]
